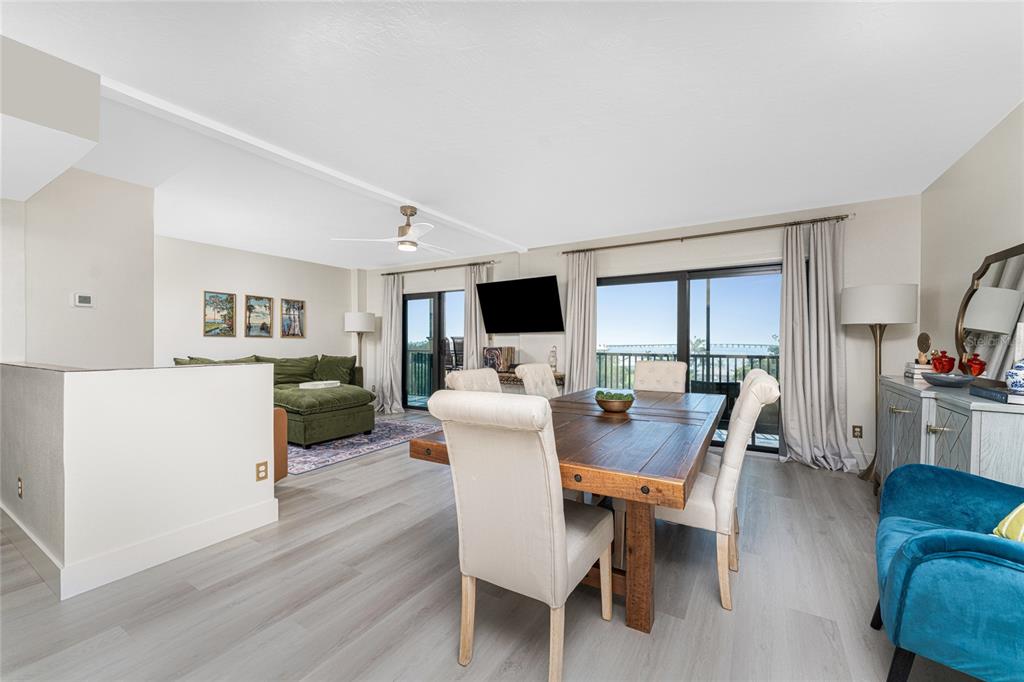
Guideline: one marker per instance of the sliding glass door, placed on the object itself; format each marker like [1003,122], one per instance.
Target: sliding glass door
[734,328]
[433,343]
[723,323]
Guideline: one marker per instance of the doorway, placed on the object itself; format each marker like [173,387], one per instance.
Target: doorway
[432,345]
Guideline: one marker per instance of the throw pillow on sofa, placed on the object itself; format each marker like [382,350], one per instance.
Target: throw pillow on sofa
[291,370]
[335,368]
[1012,527]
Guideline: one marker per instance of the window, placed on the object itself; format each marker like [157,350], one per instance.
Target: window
[722,323]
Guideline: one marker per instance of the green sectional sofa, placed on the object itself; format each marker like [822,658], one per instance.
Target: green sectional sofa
[315,415]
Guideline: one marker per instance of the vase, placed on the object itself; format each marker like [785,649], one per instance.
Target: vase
[1015,378]
[975,366]
[942,363]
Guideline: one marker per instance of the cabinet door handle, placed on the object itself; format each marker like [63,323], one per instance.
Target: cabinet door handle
[937,429]
[895,410]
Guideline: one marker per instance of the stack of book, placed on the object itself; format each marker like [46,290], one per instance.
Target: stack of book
[997,393]
[914,371]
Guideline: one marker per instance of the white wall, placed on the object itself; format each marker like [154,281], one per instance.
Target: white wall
[972,210]
[882,246]
[179,475]
[49,117]
[91,234]
[31,443]
[183,270]
[12,281]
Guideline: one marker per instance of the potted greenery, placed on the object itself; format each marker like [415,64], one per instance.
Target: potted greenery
[614,401]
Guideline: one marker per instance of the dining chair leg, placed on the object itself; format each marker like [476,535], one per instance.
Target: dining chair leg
[619,541]
[468,619]
[736,519]
[734,552]
[605,566]
[556,644]
[723,570]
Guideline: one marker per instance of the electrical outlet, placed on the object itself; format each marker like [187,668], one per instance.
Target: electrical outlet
[21,488]
[858,431]
[262,470]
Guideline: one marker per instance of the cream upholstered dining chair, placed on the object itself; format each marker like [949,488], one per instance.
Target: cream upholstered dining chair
[538,379]
[660,375]
[485,379]
[713,460]
[712,503]
[515,530]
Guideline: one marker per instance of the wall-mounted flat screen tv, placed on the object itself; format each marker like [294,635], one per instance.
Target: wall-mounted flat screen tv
[521,306]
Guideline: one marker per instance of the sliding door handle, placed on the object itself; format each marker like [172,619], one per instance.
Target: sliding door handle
[937,429]
[895,410]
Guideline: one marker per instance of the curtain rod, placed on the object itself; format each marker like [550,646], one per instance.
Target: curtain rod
[441,267]
[714,234]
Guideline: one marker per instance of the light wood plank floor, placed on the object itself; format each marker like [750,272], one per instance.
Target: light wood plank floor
[360,580]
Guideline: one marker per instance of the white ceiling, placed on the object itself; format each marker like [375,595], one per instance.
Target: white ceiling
[541,123]
[210,191]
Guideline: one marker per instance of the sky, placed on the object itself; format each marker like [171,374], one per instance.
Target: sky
[420,316]
[743,310]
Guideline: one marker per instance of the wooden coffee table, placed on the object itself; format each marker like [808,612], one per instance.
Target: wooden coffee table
[648,456]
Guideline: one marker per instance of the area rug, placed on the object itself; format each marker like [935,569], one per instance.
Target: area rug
[385,434]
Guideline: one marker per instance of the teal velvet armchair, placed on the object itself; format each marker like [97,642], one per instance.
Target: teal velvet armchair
[948,589]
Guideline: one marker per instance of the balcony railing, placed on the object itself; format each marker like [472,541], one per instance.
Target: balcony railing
[419,376]
[709,373]
[616,370]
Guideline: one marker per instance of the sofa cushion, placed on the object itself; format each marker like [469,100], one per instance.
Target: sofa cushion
[1012,527]
[335,367]
[192,360]
[316,400]
[291,370]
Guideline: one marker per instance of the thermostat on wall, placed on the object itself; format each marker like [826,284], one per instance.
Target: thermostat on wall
[82,300]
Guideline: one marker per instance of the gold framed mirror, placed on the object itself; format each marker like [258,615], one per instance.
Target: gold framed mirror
[986,324]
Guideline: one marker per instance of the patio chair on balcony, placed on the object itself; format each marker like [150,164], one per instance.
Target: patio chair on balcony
[448,350]
[458,355]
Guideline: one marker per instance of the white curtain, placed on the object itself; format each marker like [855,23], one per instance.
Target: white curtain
[476,337]
[812,348]
[389,394]
[581,322]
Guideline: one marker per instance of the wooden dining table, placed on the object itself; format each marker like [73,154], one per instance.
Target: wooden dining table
[648,456]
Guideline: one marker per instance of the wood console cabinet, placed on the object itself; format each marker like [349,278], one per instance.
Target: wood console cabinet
[948,427]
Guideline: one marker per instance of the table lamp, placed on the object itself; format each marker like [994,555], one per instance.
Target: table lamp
[360,323]
[878,306]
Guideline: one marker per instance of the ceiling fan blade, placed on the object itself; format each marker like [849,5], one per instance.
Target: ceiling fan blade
[436,249]
[420,229]
[356,239]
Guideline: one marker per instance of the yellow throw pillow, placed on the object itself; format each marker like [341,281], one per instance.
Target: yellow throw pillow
[1012,527]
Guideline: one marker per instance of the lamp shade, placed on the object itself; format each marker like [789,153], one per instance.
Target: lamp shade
[879,304]
[993,310]
[360,322]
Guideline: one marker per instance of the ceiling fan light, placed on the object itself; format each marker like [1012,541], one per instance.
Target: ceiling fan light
[406,245]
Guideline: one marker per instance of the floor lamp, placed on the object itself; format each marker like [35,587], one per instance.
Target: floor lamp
[878,306]
[360,323]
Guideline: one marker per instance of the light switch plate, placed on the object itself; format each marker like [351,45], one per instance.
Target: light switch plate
[262,470]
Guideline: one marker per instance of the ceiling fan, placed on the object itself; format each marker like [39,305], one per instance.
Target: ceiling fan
[409,235]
